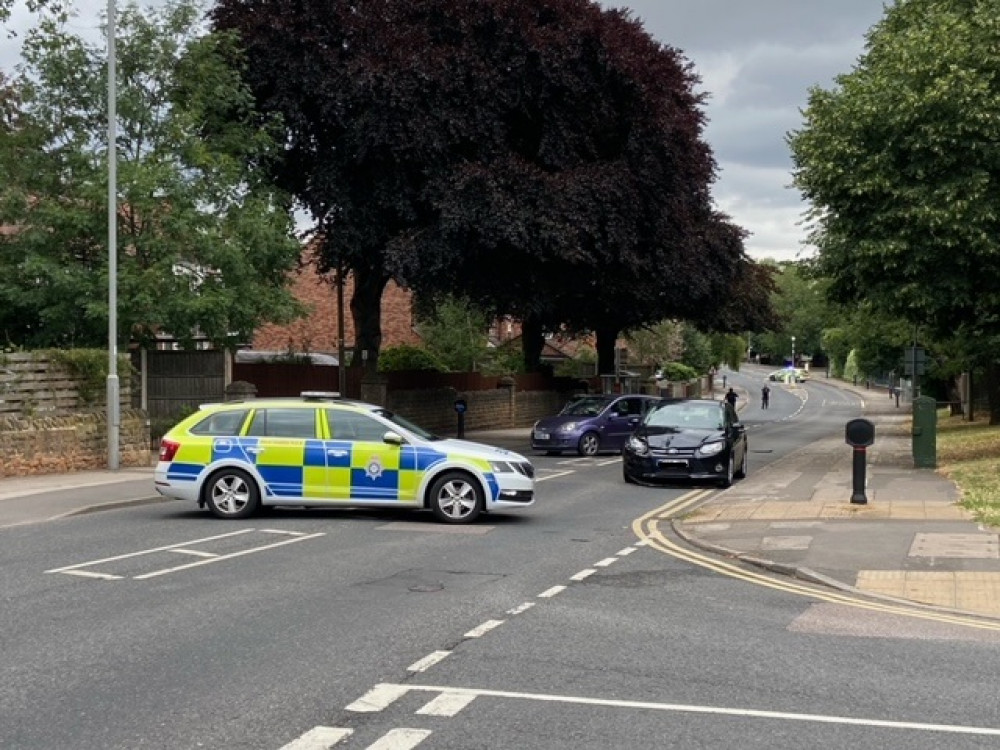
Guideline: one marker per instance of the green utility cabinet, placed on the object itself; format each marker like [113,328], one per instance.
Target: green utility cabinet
[924,432]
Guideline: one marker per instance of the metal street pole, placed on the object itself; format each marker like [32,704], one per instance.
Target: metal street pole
[113,405]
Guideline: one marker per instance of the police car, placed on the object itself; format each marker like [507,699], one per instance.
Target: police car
[322,451]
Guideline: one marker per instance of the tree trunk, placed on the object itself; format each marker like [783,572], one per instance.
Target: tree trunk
[993,391]
[366,310]
[606,340]
[532,343]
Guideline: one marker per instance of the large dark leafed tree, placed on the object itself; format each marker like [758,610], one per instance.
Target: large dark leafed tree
[900,163]
[542,158]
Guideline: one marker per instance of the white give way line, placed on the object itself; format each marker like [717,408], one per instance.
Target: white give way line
[184,548]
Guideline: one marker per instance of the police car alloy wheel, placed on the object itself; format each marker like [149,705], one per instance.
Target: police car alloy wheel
[232,493]
[456,498]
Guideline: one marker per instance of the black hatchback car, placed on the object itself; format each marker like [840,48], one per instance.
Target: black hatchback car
[696,439]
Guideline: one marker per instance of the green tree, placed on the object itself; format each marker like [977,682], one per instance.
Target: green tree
[455,333]
[697,350]
[899,162]
[204,242]
[657,344]
[544,158]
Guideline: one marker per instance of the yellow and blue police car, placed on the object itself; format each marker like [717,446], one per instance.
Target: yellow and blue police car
[322,451]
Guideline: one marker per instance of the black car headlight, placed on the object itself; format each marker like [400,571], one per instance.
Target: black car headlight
[638,446]
[711,449]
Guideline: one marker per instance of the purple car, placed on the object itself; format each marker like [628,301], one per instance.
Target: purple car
[591,424]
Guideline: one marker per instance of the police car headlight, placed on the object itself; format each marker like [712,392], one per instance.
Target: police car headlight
[711,449]
[502,467]
[638,446]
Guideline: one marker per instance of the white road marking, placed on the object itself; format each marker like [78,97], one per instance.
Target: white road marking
[447,704]
[428,661]
[605,562]
[319,738]
[549,593]
[87,574]
[282,531]
[230,556]
[520,608]
[486,627]
[554,476]
[194,552]
[150,551]
[609,462]
[582,574]
[715,710]
[626,551]
[379,697]
[401,739]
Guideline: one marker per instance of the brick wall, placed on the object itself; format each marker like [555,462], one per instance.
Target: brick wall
[317,332]
[501,408]
[56,444]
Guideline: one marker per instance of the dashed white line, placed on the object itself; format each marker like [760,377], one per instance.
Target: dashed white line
[554,476]
[486,627]
[626,551]
[428,661]
[401,739]
[194,552]
[549,593]
[319,738]
[605,562]
[520,608]
[447,704]
[379,697]
[87,574]
[582,574]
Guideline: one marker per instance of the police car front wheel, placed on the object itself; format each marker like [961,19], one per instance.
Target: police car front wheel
[232,493]
[456,498]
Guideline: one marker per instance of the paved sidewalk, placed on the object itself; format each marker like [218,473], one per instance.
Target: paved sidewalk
[911,541]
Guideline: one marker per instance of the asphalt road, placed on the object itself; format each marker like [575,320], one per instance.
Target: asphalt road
[157,626]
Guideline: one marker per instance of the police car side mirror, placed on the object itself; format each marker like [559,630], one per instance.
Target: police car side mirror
[392,438]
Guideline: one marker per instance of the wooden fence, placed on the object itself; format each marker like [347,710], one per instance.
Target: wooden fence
[32,384]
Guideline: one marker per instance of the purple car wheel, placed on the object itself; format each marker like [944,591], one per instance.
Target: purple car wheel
[589,444]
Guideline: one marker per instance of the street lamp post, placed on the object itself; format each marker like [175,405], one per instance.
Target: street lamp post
[114,405]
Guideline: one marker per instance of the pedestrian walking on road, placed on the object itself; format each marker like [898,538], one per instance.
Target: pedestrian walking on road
[731,397]
[765,397]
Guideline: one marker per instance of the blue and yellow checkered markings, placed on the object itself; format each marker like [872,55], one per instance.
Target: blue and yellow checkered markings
[190,461]
[419,458]
[375,472]
[282,481]
[181,472]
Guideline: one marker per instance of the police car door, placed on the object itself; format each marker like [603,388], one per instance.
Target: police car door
[286,451]
[361,466]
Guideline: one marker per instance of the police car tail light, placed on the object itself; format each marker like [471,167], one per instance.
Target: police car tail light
[168,449]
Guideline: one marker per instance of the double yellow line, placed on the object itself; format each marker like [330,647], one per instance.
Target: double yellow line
[647,529]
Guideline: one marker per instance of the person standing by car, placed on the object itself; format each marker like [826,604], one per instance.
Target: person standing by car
[731,397]
[765,396]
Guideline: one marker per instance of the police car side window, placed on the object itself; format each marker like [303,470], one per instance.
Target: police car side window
[287,423]
[224,424]
[349,425]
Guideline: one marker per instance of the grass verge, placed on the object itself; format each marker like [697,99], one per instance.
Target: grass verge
[968,453]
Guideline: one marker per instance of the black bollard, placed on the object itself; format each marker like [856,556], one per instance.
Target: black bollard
[859,434]
[460,407]
[860,459]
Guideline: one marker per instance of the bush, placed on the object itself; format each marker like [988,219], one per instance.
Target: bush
[678,372]
[406,357]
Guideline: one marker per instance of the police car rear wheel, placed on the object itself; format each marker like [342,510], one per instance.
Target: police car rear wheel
[456,498]
[232,493]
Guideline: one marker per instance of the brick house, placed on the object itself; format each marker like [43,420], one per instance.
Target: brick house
[317,331]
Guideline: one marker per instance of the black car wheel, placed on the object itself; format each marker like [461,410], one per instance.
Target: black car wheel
[727,481]
[232,493]
[456,497]
[589,444]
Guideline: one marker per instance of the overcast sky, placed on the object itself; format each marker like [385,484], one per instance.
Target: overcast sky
[757,60]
